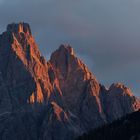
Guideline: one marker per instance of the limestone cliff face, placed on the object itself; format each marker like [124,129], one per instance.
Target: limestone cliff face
[54,100]
[79,86]
[21,61]
[72,74]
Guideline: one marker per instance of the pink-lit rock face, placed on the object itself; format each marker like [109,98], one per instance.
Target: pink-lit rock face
[19,28]
[23,48]
[73,75]
[79,86]
[60,98]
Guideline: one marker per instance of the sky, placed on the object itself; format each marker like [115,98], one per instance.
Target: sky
[105,34]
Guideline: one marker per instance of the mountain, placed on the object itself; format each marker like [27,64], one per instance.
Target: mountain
[126,128]
[118,101]
[55,100]
[79,87]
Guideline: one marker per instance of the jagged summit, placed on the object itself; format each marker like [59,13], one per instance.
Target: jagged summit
[119,85]
[65,59]
[120,89]
[66,48]
[63,56]
[19,28]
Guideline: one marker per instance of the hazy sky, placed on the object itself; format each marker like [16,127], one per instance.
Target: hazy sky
[104,33]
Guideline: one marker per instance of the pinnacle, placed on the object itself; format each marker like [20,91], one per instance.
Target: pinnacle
[66,48]
[19,27]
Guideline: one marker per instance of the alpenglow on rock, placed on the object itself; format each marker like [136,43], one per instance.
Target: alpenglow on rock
[55,100]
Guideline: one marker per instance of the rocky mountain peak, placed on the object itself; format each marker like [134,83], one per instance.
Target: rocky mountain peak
[118,100]
[22,50]
[118,85]
[79,87]
[19,28]
[18,39]
[65,48]
[64,51]
[63,58]
[119,88]
[65,62]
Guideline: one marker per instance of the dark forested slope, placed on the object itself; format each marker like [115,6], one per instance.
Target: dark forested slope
[126,128]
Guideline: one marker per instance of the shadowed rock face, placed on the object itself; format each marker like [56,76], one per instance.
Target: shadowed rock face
[58,124]
[54,100]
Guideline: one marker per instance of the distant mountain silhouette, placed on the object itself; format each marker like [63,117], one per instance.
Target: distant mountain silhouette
[57,99]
